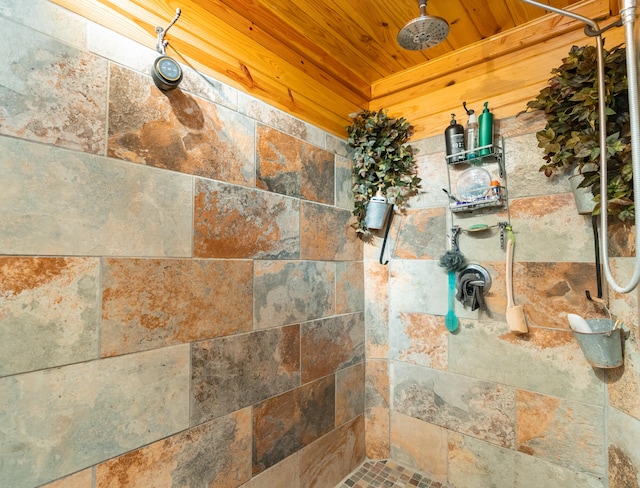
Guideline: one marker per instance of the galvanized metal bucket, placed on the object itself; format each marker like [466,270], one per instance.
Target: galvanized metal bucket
[603,346]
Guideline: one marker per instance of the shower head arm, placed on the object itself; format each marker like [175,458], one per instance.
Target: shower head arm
[591,23]
[423,7]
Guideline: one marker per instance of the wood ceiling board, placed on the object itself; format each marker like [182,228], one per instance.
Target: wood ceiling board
[535,32]
[507,85]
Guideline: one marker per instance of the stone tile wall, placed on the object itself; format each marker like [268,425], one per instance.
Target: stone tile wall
[485,407]
[181,296]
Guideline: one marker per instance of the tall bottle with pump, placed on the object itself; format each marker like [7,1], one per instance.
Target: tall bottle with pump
[485,130]
[471,133]
[454,141]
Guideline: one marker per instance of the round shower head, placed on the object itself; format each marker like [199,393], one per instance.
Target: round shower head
[424,32]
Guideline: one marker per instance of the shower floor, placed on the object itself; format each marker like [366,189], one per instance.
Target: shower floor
[387,474]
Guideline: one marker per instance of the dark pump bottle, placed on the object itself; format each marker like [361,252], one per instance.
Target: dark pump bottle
[454,141]
[485,130]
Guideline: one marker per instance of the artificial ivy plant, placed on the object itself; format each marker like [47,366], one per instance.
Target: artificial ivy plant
[571,135]
[382,161]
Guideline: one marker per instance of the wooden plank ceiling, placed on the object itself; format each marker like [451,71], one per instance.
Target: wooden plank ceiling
[321,60]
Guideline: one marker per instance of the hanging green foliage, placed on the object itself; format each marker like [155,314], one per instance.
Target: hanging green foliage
[571,136]
[382,161]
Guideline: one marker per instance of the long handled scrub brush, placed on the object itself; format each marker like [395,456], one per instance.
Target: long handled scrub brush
[516,319]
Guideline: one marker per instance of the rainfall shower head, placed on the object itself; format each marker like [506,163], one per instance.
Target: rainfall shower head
[423,32]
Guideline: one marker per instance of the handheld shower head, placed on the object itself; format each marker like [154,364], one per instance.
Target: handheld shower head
[423,32]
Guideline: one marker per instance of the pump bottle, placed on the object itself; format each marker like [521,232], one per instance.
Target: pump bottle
[485,130]
[471,133]
[454,141]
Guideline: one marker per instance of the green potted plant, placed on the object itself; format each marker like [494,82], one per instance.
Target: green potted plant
[383,164]
[571,135]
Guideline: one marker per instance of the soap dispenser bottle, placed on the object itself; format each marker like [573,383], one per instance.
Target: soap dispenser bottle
[485,130]
[471,133]
[454,141]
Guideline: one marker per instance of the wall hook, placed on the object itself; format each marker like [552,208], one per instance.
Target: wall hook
[386,236]
[161,43]
[594,223]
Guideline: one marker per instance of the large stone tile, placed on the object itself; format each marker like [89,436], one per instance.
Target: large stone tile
[420,339]
[376,308]
[419,445]
[344,185]
[50,19]
[544,361]
[523,159]
[550,428]
[286,292]
[139,57]
[326,234]
[624,458]
[293,167]
[59,421]
[622,240]
[377,412]
[178,131]
[48,305]
[433,171]
[152,303]
[286,474]
[422,234]
[476,464]
[83,479]
[420,286]
[329,345]
[549,228]
[325,462]
[126,210]
[280,120]
[234,372]
[477,408]
[284,424]
[349,287]
[350,393]
[236,222]
[216,454]
[53,93]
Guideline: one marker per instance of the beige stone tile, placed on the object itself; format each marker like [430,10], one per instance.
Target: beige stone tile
[62,420]
[544,361]
[177,131]
[420,339]
[349,287]
[54,93]
[287,292]
[236,222]
[408,446]
[564,432]
[541,226]
[344,185]
[152,303]
[83,479]
[179,461]
[285,473]
[139,212]
[377,413]
[432,169]
[624,459]
[421,234]
[331,344]
[376,306]
[478,408]
[332,457]
[48,305]
[326,234]
[350,393]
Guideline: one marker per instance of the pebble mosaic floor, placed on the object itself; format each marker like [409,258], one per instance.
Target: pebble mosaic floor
[387,474]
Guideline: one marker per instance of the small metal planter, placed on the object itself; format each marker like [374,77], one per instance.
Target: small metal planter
[582,196]
[377,213]
[603,346]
